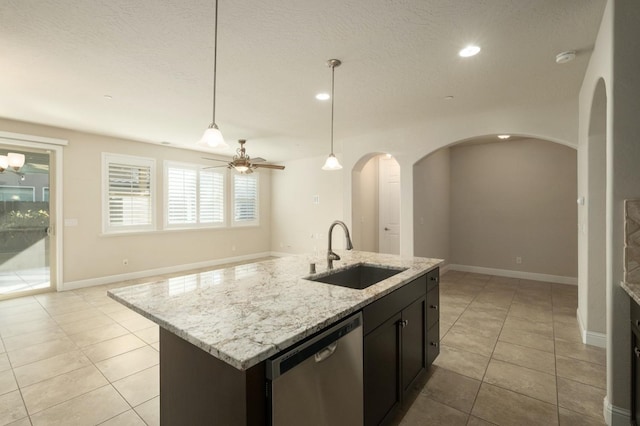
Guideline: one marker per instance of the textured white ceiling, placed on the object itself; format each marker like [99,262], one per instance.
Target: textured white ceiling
[155,58]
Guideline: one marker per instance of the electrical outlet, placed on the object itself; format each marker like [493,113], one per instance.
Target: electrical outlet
[125,262]
[518,260]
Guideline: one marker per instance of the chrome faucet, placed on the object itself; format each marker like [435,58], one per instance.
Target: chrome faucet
[331,256]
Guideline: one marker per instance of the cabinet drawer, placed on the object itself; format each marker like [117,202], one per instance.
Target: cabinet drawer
[433,278]
[379,311]
[433,306]
[433,343]
[635,316]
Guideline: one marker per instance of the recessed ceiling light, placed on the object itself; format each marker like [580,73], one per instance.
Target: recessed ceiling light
[165,143]
[448,98]
[108,97]
[503,137]
[323,96]
[468,51]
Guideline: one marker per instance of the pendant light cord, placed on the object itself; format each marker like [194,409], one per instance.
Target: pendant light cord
[215,61]
[333,70]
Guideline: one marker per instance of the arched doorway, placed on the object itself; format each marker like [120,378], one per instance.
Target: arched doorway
[376,204]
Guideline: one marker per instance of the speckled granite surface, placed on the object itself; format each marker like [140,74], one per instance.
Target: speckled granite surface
[632,290]
[245,314]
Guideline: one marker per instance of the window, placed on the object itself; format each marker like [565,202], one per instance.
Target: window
[128,188]
[17,193]
[245,199]
[194,196]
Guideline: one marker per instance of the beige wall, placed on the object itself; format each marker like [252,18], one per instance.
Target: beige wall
[431,206]
[297,224]
[515,198]
[365,206]
[88,254]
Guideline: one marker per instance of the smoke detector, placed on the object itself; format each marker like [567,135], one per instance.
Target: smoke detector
[564,57]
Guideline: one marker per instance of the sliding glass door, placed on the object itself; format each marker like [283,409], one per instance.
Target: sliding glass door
[25,233]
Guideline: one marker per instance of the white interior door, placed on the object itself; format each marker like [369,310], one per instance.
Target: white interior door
[389,205]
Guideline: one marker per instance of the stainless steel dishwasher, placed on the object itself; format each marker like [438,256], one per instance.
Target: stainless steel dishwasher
[319,382]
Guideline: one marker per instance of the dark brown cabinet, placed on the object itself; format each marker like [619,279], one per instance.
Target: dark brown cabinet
[635,362]
[433,316]
[397,349]
[381,379]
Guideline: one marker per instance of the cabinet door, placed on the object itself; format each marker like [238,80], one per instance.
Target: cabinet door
[413,342]
[635,378]
[433,346]
[382,371]
[433,308]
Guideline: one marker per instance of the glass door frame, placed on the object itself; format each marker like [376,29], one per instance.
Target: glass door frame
[55,149]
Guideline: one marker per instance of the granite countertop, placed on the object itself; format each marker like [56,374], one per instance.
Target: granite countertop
[633,290]
[245,314]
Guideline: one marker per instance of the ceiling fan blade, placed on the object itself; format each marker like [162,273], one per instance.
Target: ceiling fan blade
[216,167]
[269,166]
[258,160]
[214,159]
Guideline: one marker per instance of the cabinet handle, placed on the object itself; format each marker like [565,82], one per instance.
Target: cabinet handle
[435,344]
[637,352]
[434,307]
[403,323]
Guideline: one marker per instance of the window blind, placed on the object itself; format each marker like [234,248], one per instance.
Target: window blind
[211,197]
[194,196]
[129,195]
[245,198]
[182,195]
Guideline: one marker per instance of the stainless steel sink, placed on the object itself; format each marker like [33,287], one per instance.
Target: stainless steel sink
[358,276]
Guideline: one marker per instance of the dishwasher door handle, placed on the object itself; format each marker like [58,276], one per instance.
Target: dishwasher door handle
[326,352]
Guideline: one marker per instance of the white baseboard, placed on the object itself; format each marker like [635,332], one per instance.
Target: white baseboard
[444,269]
[590,337]
[615,416]
[515,274]
[72,285]
[279,254]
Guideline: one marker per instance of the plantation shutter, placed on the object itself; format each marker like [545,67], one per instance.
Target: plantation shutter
[129,198]
[245,198]
[182,195]
[211,197]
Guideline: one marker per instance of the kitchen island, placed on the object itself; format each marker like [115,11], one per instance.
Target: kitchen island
[218,327]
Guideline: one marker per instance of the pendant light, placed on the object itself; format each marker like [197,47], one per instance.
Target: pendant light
[12,160]
[332,162]
[212,136]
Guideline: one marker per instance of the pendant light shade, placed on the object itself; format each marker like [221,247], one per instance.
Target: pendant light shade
[212,136]
[332,162]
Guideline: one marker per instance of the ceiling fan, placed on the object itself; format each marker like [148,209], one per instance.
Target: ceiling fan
[243,163]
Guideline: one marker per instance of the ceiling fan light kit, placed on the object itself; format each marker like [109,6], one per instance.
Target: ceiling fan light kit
[212,136]
[243,164]
[332,162]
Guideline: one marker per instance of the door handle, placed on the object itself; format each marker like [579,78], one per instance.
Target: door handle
[326,352]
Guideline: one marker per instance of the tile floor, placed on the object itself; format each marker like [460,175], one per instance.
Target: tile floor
[23,280]
[510,355]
